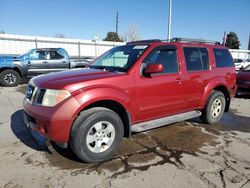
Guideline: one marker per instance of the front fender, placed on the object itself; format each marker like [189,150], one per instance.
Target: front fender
[21,67]
[92,95]
[6,62]
[216,82]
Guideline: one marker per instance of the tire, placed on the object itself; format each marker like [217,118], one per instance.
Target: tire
[96,134]
[9,78]
[214,109]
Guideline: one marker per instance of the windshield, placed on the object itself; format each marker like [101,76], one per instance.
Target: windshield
[247,69]
[120,58]
[25,54]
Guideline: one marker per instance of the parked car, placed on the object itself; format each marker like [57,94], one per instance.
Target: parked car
[241,64]
[243,81]
[35,62]
[136,87]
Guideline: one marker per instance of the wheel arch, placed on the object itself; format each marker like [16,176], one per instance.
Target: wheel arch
[220,87]
[17,69]
[226,93]
[115,106]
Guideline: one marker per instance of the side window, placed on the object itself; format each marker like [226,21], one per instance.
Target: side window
[42,55]
[223,58]
[55,55]
[167,57]
[196,58]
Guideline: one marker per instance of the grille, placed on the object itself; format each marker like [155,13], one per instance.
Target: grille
[34,95]
[30,92]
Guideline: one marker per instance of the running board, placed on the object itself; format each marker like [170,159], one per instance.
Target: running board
[164,121]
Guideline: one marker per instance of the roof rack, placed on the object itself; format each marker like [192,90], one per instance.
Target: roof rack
[144,41]
[194,40]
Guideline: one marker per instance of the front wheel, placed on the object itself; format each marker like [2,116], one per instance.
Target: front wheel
[9,78]
[96,134]
[215,108]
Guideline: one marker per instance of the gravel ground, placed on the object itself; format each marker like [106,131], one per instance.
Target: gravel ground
[185,154]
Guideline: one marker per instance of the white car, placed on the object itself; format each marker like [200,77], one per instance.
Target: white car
[241,64]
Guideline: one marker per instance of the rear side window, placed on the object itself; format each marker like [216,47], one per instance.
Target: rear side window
[55,55]
[196,58]
[223,58]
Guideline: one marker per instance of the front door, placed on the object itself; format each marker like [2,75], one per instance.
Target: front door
[161,94]
[37,62]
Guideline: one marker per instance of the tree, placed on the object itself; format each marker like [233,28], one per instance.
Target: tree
[132,33]
[113,36]
[2,32]
[59,35]
[232,41]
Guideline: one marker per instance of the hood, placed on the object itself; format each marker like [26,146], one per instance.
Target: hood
[6,61]
[71,80]
[243,76]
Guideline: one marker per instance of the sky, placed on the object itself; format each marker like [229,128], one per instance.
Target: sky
[204,19]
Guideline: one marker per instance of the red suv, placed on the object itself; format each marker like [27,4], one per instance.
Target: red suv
[131,88]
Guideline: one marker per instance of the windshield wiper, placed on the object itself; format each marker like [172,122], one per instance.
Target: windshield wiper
[108,68]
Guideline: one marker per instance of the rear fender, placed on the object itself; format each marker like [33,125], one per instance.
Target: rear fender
[209,88]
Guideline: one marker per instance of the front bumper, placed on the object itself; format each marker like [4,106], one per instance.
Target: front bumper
[243,88]
[53,123]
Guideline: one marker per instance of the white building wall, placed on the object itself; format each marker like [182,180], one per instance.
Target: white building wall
[240,54]
[19,44]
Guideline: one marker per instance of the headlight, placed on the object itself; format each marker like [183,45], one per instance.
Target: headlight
[52,97]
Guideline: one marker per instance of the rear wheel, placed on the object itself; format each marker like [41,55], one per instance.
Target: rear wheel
[96,134]
[9,78]
[215,108]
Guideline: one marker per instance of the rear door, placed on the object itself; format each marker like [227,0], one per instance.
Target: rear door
[160,94]
[58,60]
[197,74]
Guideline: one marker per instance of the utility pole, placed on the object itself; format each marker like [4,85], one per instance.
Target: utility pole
[249,43]
[224,38]
[169,20]
[116,25]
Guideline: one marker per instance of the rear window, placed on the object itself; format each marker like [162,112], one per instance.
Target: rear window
[196,58]
[223,58]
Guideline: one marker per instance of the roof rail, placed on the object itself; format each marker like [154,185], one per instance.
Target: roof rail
[194,40]
[144,41]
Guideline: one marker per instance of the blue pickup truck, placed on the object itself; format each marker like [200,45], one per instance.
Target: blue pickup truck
[35,62]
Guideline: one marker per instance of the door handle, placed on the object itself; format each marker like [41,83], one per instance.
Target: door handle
[178,80]
[44,62]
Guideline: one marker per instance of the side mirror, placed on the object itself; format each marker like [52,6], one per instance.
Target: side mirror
[153,69]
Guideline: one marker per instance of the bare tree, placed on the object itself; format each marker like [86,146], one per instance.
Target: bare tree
[132,33]
[59,35]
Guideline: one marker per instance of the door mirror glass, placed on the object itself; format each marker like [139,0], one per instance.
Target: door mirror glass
[153,69]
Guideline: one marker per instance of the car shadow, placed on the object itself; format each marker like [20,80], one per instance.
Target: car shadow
[230,121]
[23,133]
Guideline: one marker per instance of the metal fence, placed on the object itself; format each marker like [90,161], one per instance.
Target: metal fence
[77,48]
